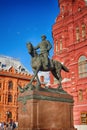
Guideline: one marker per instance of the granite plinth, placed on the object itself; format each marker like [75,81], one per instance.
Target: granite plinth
[40,110]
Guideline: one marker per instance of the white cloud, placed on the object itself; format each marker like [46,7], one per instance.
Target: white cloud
[18,33]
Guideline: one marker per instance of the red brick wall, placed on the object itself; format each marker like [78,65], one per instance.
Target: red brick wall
[72,15]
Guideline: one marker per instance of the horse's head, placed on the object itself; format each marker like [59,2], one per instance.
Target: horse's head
[30,47]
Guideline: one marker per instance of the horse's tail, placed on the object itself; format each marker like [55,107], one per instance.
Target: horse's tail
[65,68]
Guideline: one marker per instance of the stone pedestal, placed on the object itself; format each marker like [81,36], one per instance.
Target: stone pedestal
[40,110]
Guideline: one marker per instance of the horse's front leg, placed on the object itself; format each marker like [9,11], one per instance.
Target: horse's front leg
[38,82]
[35,75]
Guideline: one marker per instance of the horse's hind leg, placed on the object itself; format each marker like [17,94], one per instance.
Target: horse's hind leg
[55,74]
[38,82]
[35,75]
[58,77]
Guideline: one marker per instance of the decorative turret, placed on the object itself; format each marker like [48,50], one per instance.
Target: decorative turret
[65,6]
[68,7]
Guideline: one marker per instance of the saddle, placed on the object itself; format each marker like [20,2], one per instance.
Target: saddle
[50,62]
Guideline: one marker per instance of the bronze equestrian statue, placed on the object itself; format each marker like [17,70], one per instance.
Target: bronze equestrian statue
[40,63]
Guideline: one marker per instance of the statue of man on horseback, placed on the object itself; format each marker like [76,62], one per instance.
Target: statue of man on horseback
[44,47]
[41,62]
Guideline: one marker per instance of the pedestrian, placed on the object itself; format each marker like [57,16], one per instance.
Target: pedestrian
[12,124]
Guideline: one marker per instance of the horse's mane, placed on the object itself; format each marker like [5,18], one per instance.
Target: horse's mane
[33,49]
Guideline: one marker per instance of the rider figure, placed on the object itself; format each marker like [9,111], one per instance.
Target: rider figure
[44,46]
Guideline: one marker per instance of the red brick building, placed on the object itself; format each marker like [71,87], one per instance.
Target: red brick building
[70,47]
[12,74]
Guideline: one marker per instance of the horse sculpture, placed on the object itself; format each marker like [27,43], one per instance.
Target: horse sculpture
[38,65]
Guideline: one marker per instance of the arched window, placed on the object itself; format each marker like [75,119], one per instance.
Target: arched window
[10,98]
[10,115]
[83,30]
[82,67]
[56,46]
[77,34]
[10,85]
[80,95]
[84,118]
[61,45]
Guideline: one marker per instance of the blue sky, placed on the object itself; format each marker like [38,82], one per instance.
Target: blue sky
[22,21]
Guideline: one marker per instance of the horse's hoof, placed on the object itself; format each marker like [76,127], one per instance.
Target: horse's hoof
[20,89]
[60,89]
